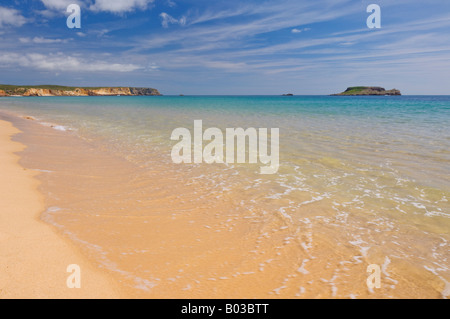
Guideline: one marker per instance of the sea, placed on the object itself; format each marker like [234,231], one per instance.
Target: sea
[361,193]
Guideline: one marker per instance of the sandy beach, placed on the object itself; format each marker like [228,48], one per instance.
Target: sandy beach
[34,258]
[224,150]
[98,189]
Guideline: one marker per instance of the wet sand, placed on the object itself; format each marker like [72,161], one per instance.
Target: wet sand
[164,235]
[33,257]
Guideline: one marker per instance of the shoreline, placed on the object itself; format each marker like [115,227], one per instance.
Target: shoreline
[129,223]
[34,258]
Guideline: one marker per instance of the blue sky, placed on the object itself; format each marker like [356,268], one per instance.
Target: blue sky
[228,47]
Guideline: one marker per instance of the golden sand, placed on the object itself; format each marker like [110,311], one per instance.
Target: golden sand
[33,258]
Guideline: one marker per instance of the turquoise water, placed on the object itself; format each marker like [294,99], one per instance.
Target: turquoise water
[409,132]
[372,173]
[406,138]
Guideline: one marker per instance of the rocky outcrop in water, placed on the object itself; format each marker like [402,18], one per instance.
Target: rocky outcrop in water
[368,90]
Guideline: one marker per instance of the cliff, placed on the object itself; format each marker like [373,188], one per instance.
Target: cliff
[368,90]
[53,90]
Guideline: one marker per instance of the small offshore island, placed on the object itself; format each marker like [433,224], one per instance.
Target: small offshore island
[56,90]
[367,90]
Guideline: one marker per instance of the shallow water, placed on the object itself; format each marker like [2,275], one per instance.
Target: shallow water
[362,180]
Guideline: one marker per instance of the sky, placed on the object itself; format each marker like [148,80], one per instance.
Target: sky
[228,47]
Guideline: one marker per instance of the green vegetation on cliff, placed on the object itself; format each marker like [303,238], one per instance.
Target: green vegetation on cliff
[15,88]
[368,90]
[58,90]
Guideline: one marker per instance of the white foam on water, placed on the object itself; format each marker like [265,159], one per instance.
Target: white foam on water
[302,269]
[359,243]
[302,290]
[278,290]
[57,127]
[42,170]
[60,128]
[144,284]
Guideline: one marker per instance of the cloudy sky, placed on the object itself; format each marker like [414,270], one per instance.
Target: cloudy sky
[228,47]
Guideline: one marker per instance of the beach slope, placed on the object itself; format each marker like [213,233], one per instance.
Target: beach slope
[33,257]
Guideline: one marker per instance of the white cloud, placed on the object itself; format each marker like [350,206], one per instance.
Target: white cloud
[152,67]
[113,6]
[171,3]
[63,63]
[210,15]
[41,40]
[168,19]
[229,66]
[120,6]
[11,17]
[57,7]
[101,33]
[295,30]
[264,18]
[59,4]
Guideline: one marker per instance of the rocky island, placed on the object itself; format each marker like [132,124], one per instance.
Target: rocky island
[56,90]
[367,90]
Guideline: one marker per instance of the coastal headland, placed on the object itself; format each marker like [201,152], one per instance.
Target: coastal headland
[56,90]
